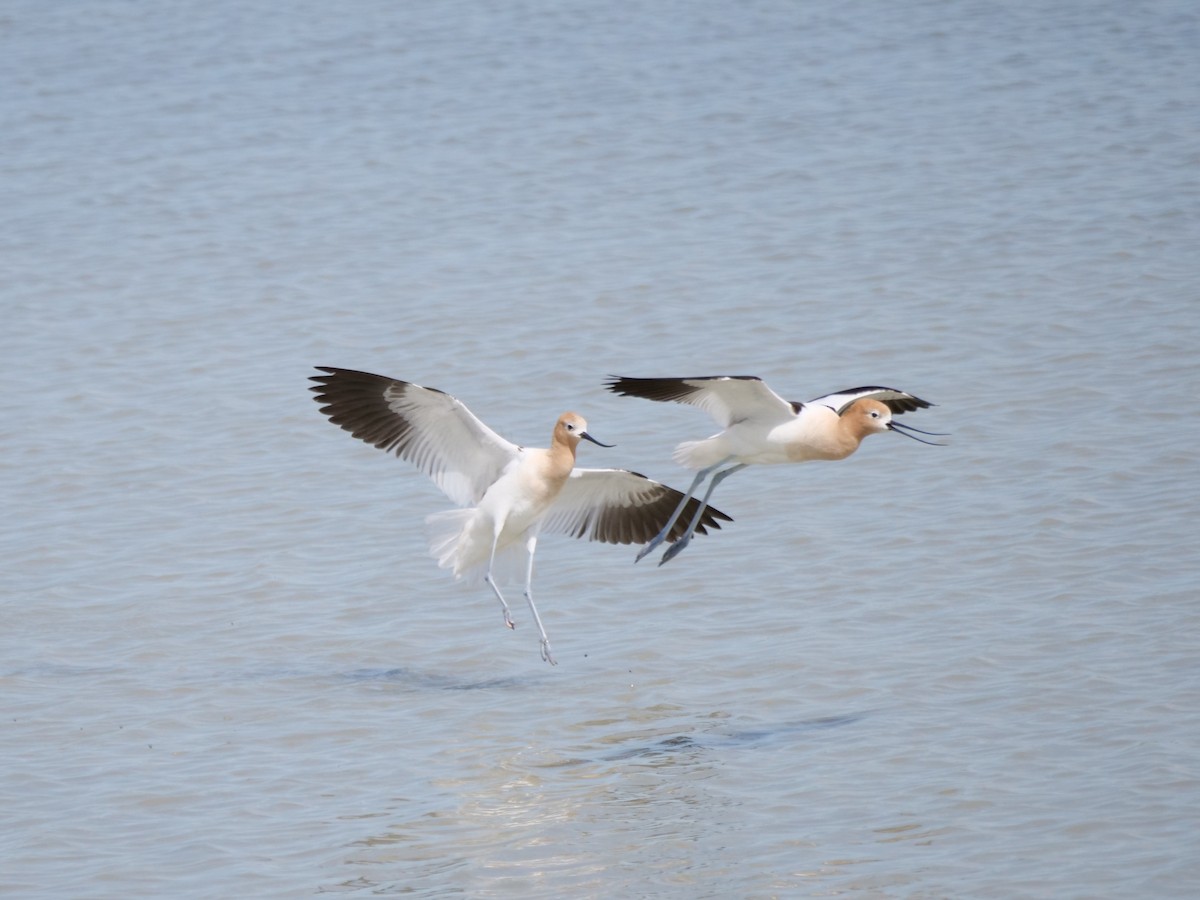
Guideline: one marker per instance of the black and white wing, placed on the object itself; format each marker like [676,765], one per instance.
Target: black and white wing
[727,398]
[897,401]
[621,507]
[424,426]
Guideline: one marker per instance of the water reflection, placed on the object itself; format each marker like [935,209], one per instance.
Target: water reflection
[528,819]
[415,680]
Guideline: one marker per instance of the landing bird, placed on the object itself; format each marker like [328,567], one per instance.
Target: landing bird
[510,493]
[761,428]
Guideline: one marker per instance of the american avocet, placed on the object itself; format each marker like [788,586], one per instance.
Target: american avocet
[511,493]
[761,428]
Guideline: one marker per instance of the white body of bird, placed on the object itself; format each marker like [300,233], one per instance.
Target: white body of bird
[466,540]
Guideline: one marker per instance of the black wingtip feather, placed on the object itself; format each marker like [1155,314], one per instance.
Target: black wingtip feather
[357,403]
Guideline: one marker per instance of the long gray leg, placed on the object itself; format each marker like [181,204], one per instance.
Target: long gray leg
[492,584]
[530,546]
[666,529]
[686,538]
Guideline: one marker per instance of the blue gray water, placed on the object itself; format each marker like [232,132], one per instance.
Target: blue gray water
[227,666]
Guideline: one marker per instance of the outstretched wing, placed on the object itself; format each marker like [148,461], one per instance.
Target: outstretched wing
[425,426]
[621,507]
[727,398]
[897,401]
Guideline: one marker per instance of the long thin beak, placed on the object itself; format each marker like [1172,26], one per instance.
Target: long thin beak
[588,437]
[900,428]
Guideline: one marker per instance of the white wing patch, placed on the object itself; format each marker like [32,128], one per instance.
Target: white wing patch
[729,400]
[446,441]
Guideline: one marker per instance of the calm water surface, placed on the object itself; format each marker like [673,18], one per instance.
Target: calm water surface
[228,667]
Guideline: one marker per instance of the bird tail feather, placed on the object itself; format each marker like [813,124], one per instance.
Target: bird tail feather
[461,540]
[698,454]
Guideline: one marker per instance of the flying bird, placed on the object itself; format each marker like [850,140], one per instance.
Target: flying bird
[508,494]
[761,428]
